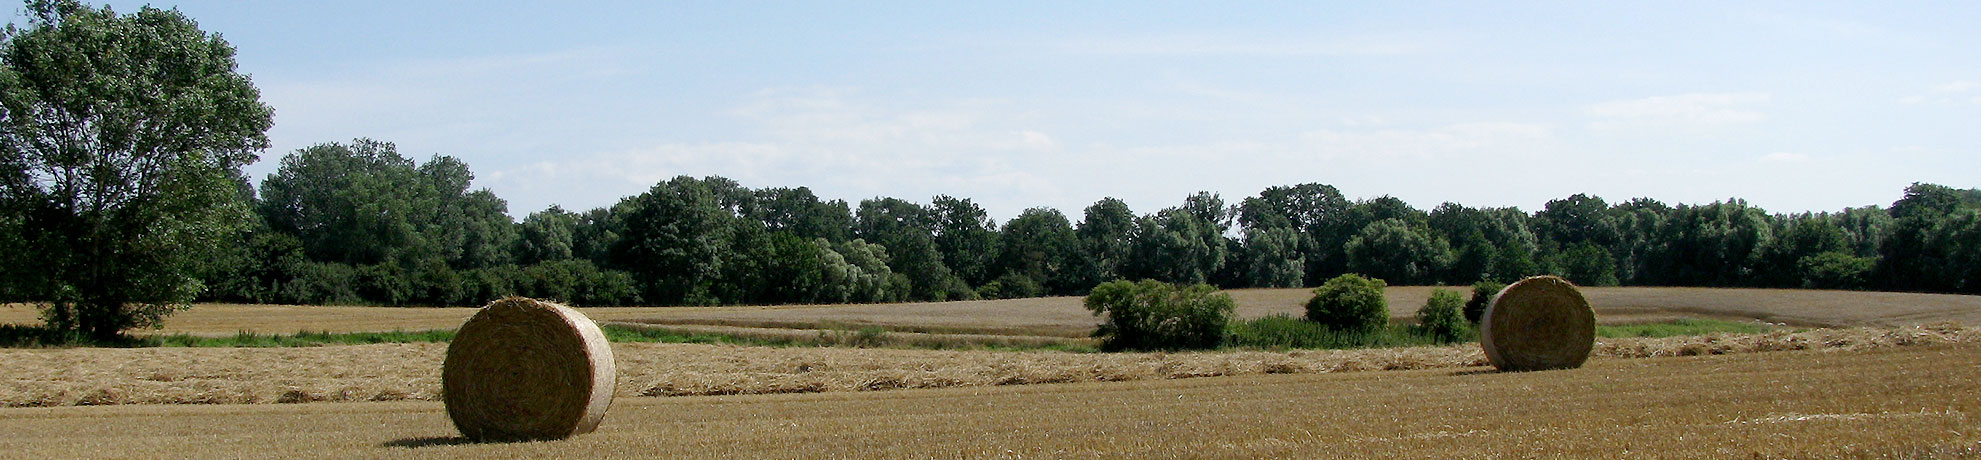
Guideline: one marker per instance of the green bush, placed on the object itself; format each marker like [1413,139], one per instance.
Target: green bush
[1011,286]
[1350,302]
[1836,270]
[1482,296]
[1440,317]
[321,283]
[1153,315]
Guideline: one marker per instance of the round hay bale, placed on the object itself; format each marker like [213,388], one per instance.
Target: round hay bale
[524,369]
[1538,323]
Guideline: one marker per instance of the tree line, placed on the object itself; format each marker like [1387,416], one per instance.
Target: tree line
[122,138]
[359,223]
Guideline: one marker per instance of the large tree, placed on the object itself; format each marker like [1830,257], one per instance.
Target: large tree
[677,238]
[1318,211]
[1105,233]
[121,134]
[1038,246]
[966,236]
[907,231]
[1175,246]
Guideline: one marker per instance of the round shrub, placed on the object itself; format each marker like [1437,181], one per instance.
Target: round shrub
[1153,315]
[1350,302]
[1440,317]
[1482,294]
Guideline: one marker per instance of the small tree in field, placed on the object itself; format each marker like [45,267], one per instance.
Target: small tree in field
[1440,316]
[1153,315]
[120,138]
[1350,302]
[1482,294]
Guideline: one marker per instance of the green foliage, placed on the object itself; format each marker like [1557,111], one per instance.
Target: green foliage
[799,212]
[363,204]
[1441,317]
[1318,211]
[677,237]
[907,230]
[1153,315]
[1797,237]
[1350,303]
[122,137]
[1935,241]
[1394,249]
[1487,244]
[966,237]
[858,272]
[1836,270]
[1011,286]
[1275,257]
[1036,255]
[546,236]
[1482,297]
[1106,233]
[1713,245]
[1639,223]
[1176,246]
[1585,264]
[1578,219]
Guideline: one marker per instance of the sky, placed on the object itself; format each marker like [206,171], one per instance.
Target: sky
[1794,106]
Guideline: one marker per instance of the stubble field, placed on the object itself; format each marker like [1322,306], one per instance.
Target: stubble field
[1908,402]
[1881,375]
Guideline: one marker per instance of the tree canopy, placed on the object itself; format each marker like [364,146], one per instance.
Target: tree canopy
[122,136]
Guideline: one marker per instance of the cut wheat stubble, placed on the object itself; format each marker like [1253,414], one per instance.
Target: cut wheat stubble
[1538,323]
[524,369]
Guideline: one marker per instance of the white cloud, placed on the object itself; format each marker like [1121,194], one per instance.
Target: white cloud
[1784,157]
[1686,110]
[1446,143]
[843,144]
[1963,91]
[1957,87]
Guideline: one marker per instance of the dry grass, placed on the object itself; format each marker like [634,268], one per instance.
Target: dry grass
[62,377]
[1898,402]
[1064,317]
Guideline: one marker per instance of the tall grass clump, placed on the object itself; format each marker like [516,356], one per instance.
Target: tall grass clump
[1153,315]
[1482,296]
[1441,319]
[1283,331]
[1350,303]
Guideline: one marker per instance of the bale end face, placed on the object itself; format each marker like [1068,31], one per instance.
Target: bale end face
[523,369]
[1538,323]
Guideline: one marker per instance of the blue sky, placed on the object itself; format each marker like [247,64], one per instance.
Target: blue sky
[1795,106]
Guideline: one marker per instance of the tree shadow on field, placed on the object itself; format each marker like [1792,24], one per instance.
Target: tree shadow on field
[429,441]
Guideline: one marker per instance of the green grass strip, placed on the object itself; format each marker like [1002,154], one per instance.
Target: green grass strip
[1682,327]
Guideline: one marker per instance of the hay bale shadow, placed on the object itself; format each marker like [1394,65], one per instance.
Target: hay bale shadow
[430,441]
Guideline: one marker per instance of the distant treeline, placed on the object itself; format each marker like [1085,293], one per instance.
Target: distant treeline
[358,223]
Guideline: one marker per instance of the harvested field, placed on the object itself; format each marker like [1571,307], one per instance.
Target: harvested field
[1896,402]
[93,376]
[1063,317]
